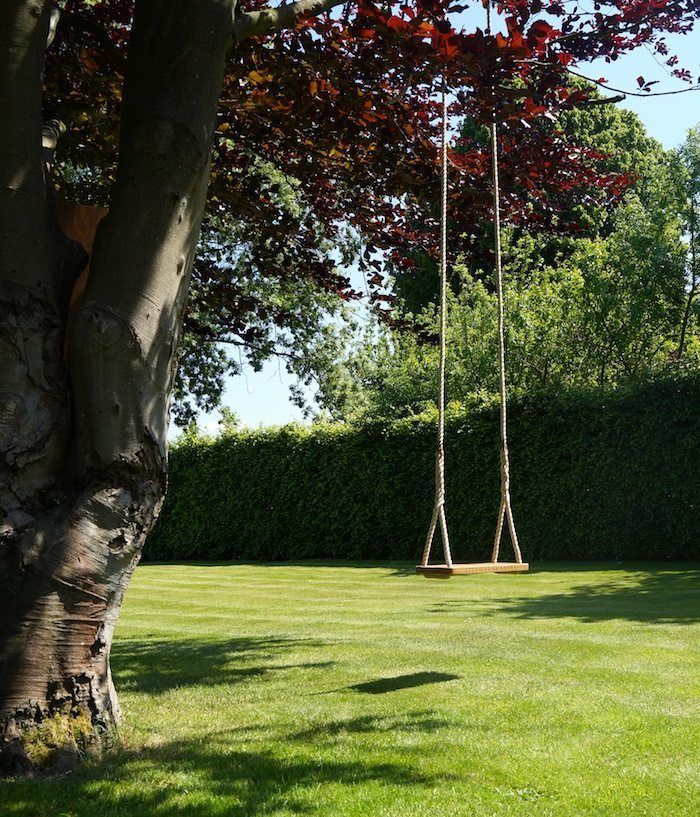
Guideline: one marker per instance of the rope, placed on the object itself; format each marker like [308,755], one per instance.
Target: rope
[439,506]
[505,510]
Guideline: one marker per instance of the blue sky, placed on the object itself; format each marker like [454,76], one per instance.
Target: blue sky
[262,398]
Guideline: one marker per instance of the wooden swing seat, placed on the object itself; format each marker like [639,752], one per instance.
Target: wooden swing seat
[444,572]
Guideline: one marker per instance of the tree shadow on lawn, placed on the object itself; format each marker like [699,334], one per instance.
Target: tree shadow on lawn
[411,722]
[158,666]
[646,595]
[397,568]
[199,777]
[414,679]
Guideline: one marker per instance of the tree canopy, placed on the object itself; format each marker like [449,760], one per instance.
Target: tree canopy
[344,107]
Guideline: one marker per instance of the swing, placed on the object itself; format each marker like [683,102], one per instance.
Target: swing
[449,568]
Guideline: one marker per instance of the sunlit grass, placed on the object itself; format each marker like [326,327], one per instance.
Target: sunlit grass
[365,690]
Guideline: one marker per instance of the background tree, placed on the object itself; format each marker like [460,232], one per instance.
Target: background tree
[245,304]
[602,306]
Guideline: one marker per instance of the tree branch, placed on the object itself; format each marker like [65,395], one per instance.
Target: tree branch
[254,23]
[23,34]
[26,248]
[643,94]
[609,100]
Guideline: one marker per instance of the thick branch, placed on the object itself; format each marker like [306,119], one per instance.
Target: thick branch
[24,238]
[22,40]
[265,21]
[126,331]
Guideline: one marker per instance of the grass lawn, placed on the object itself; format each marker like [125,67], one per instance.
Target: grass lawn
[341,691]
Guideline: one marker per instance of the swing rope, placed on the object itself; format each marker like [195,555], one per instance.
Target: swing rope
[505,509]
[505,512]
[439,506]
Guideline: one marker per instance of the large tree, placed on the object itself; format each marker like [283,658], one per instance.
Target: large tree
[154,91]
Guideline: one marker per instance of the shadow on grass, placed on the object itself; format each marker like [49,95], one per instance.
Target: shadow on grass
[415,679]
[396,568]
[645,595]
[198,778]
[373,724]
[158,666]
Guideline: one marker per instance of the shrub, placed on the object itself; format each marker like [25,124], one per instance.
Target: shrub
[594,476]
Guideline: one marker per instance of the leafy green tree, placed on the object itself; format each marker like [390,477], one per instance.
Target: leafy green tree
[594,310]
[619,143]
[633,294]
[248,306]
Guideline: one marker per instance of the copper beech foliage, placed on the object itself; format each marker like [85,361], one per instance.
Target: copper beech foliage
[348,103]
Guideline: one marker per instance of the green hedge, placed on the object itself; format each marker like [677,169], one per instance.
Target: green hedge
[594,477]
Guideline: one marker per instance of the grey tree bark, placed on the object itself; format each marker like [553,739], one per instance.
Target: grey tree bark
[83,450]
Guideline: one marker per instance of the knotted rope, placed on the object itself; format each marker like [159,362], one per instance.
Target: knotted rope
[505,509]
[439,506]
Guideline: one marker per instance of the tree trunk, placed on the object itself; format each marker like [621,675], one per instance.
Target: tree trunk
[693,284]
[83,453]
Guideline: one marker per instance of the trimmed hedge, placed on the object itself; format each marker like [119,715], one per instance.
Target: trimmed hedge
[594,477]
